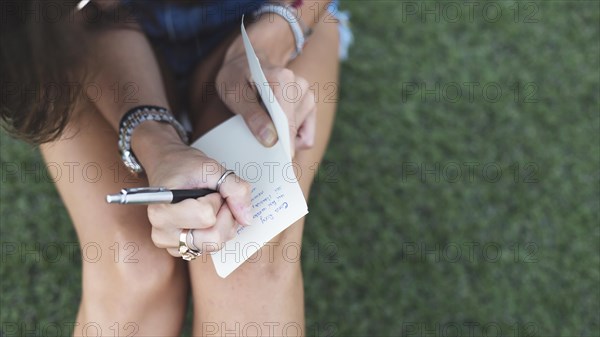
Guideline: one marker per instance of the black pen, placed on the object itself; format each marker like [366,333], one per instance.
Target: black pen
[155,195]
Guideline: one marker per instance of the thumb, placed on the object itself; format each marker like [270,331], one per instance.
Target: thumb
[255,114]
[247,103]
[260,123]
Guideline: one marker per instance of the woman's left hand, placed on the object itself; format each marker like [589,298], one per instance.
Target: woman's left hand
[291,91]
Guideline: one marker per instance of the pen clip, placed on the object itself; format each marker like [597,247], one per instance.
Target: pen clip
[137,190]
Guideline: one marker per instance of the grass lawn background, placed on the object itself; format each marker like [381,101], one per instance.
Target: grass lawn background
[386,224]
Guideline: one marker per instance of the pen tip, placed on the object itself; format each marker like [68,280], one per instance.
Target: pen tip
[113,198]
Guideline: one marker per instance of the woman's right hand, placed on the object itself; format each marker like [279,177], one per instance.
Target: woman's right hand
[213,218]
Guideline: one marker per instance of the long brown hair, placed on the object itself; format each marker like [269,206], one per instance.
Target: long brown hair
[41,49]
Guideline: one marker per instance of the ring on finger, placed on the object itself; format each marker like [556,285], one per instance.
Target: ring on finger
[222,179]
[192,243]
[186,252]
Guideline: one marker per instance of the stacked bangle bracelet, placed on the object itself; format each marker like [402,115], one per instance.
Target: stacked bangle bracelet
[299,29]
[134,118]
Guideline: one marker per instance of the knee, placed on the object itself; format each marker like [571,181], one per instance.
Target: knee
[153,272]
[147,297]
[279,260]
[147,279]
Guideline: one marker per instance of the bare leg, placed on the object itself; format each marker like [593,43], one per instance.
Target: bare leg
[130,287]
[266,296]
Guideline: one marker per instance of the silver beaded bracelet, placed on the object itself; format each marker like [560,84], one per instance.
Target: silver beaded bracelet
[288,13]
[132,119]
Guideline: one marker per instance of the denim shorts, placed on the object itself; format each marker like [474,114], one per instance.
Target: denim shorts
[184,33]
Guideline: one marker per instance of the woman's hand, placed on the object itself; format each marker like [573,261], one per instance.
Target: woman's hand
[213,218]
[291,91]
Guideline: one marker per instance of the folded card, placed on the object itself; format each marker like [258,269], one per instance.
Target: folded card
[277,200]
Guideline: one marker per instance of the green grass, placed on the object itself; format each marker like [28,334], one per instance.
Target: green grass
[381,241]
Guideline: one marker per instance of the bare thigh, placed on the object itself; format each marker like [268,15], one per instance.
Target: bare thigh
[129,285]
[267,293]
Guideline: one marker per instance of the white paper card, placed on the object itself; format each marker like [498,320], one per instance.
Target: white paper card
[277,200]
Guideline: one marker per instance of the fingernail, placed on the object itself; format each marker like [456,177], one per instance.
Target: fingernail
[268,136]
